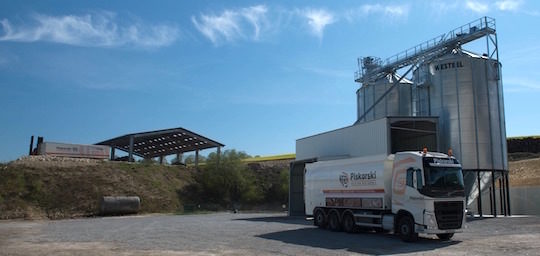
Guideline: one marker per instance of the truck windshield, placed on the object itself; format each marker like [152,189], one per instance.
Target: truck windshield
[443,181]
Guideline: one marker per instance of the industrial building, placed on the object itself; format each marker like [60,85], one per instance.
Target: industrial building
[437,95]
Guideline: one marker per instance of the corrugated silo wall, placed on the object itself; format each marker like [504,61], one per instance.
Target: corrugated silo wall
[396,103]
[465,91]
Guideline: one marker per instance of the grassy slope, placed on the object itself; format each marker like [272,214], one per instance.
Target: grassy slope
[34,190]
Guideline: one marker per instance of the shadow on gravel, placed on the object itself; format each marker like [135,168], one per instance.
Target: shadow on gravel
[471,219]
[367,243]
[282,219]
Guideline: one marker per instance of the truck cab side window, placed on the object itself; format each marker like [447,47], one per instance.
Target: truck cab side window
[419,183]
[410,181]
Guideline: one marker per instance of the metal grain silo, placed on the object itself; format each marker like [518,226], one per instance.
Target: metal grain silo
[396,103]
[465,92]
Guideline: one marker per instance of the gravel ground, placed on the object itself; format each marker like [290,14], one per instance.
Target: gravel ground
[251,234]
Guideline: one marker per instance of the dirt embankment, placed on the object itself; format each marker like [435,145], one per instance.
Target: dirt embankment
[525,172]
[45,187]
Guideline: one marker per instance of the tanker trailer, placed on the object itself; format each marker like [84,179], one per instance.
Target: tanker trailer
[406,193]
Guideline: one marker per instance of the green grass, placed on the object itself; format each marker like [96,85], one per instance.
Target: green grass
[270,158]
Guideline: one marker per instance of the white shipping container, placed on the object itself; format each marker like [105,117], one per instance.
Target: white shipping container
[74,150]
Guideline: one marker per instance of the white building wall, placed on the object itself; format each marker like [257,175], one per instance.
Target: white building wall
[365,139]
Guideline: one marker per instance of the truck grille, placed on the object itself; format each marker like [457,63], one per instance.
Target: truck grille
[449,214]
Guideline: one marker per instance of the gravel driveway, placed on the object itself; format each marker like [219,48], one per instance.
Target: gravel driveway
[250,234]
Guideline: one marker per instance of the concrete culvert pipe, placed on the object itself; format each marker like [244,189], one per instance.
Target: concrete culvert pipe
[116,205]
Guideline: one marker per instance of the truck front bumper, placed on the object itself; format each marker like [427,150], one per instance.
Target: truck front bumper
[424,230]
[430,225]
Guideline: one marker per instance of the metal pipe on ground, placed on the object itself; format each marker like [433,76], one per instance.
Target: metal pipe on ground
[117,205]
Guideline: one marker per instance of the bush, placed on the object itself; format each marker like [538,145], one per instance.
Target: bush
[224,181]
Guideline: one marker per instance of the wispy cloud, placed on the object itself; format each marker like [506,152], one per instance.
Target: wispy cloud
[92,30]
[508,5]
[232,25]
[337,73]
[385,11]
[518,85]
[317,20]
[478,7]
[442,7]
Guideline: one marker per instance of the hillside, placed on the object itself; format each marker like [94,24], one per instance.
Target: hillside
[525,172]
[45,187]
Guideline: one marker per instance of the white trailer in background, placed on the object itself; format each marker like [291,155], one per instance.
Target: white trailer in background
[74,150]
[406,192]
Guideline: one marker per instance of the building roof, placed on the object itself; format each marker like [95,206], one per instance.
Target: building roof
[161,142]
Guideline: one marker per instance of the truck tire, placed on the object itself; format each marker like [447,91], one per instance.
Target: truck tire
[446,236]
[319,219]
[348,223]
[406,229]
[333,221]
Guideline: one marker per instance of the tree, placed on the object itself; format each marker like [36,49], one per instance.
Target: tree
[225,180]
[190,159]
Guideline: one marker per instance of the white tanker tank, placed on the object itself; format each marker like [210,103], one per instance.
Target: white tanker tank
[408,193]
[358,186]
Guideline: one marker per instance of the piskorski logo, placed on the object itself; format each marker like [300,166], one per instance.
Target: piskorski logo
[344,179]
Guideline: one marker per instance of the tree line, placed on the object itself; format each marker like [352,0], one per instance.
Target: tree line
[225,182]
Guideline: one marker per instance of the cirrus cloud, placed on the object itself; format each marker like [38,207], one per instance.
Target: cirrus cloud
[92,30]
[232,24]
[385,11]
[478,7]
[508,5]
[317,20]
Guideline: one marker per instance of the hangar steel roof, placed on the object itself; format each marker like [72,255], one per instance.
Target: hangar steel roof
[161,142]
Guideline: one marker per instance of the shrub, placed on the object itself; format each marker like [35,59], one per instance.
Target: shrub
[225,181]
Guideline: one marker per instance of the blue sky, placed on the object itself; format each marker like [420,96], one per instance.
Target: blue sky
[253,75]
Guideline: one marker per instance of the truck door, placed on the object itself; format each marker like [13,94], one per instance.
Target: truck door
[415,203]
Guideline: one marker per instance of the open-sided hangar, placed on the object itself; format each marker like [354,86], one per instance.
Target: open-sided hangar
[161,143]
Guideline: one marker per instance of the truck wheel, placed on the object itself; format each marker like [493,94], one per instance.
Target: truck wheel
[333,221]
[348,223]
[319,219]
[445,237]
[406,229]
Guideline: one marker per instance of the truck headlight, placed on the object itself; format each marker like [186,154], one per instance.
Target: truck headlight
[430,221]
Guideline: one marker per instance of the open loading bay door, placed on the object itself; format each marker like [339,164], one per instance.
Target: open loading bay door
[383,136]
